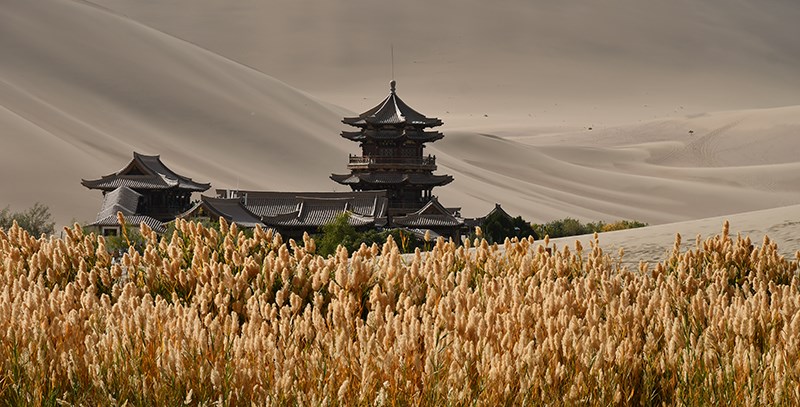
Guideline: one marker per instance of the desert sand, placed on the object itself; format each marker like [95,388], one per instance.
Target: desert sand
[680,111]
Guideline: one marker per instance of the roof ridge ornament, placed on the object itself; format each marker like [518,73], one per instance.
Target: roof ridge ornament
[393,86]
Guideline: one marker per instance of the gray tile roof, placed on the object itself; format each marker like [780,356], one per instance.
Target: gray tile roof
[392,134]
[231,209]
[392,111]
[392,178]
[432,215]
[133,221]
[122,199]
[145,172]
[269,204]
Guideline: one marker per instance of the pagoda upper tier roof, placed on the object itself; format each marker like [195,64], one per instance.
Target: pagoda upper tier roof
[392,111]
[145,172]
[392,178]
[393,134]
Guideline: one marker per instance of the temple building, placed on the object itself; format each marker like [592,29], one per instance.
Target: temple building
[292,213]
[392,138]
[146,191]
[391,181]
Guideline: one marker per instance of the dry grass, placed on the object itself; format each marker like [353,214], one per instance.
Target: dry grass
[217,318]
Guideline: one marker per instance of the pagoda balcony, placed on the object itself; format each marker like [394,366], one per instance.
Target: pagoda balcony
[392,163]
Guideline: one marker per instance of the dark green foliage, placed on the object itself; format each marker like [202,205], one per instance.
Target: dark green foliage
[340,232]
[37,220]
[497,227]
[120,244]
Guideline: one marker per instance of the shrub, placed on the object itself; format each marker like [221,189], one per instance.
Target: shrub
[573,227]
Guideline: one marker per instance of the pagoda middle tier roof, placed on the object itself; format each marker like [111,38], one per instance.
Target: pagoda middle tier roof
[392,178]
[392,111]
[145,172]
[392,134]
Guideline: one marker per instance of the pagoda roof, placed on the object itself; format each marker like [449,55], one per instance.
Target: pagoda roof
[392,111]
[392,178]
[432,215]
[232,210]
[392,134]
[145,172]
[122,199]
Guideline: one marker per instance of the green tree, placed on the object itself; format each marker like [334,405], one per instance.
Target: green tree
[337,232]
[497,227]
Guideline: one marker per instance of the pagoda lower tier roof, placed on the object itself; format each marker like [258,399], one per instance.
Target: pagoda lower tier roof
[392,178]
[393,134]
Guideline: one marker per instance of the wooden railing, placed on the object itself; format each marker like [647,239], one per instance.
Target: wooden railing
[428,162]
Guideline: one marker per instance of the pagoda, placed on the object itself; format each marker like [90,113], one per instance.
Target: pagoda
[145,187]
[392,136]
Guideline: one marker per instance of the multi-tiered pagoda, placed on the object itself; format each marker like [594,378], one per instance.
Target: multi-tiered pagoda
[392,136]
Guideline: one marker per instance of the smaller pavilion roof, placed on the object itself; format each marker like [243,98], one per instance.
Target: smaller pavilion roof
[145,172]
[392,111]
[232,210]
[432,215]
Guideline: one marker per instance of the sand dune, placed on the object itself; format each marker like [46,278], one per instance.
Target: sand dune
[654,243]
[82,86]
[656,171]
[518,61]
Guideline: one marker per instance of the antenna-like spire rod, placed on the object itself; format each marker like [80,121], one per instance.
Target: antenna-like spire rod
[392,84]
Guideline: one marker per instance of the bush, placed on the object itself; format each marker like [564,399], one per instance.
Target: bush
[37,220]
[340,232]
[573,227]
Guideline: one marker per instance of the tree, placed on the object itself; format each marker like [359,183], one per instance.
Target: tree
[37,220]
[337,232]
[497,227]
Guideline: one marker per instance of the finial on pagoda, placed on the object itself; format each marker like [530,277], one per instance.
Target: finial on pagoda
[392,85]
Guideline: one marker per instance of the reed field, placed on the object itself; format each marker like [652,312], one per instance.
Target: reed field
[219,318]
